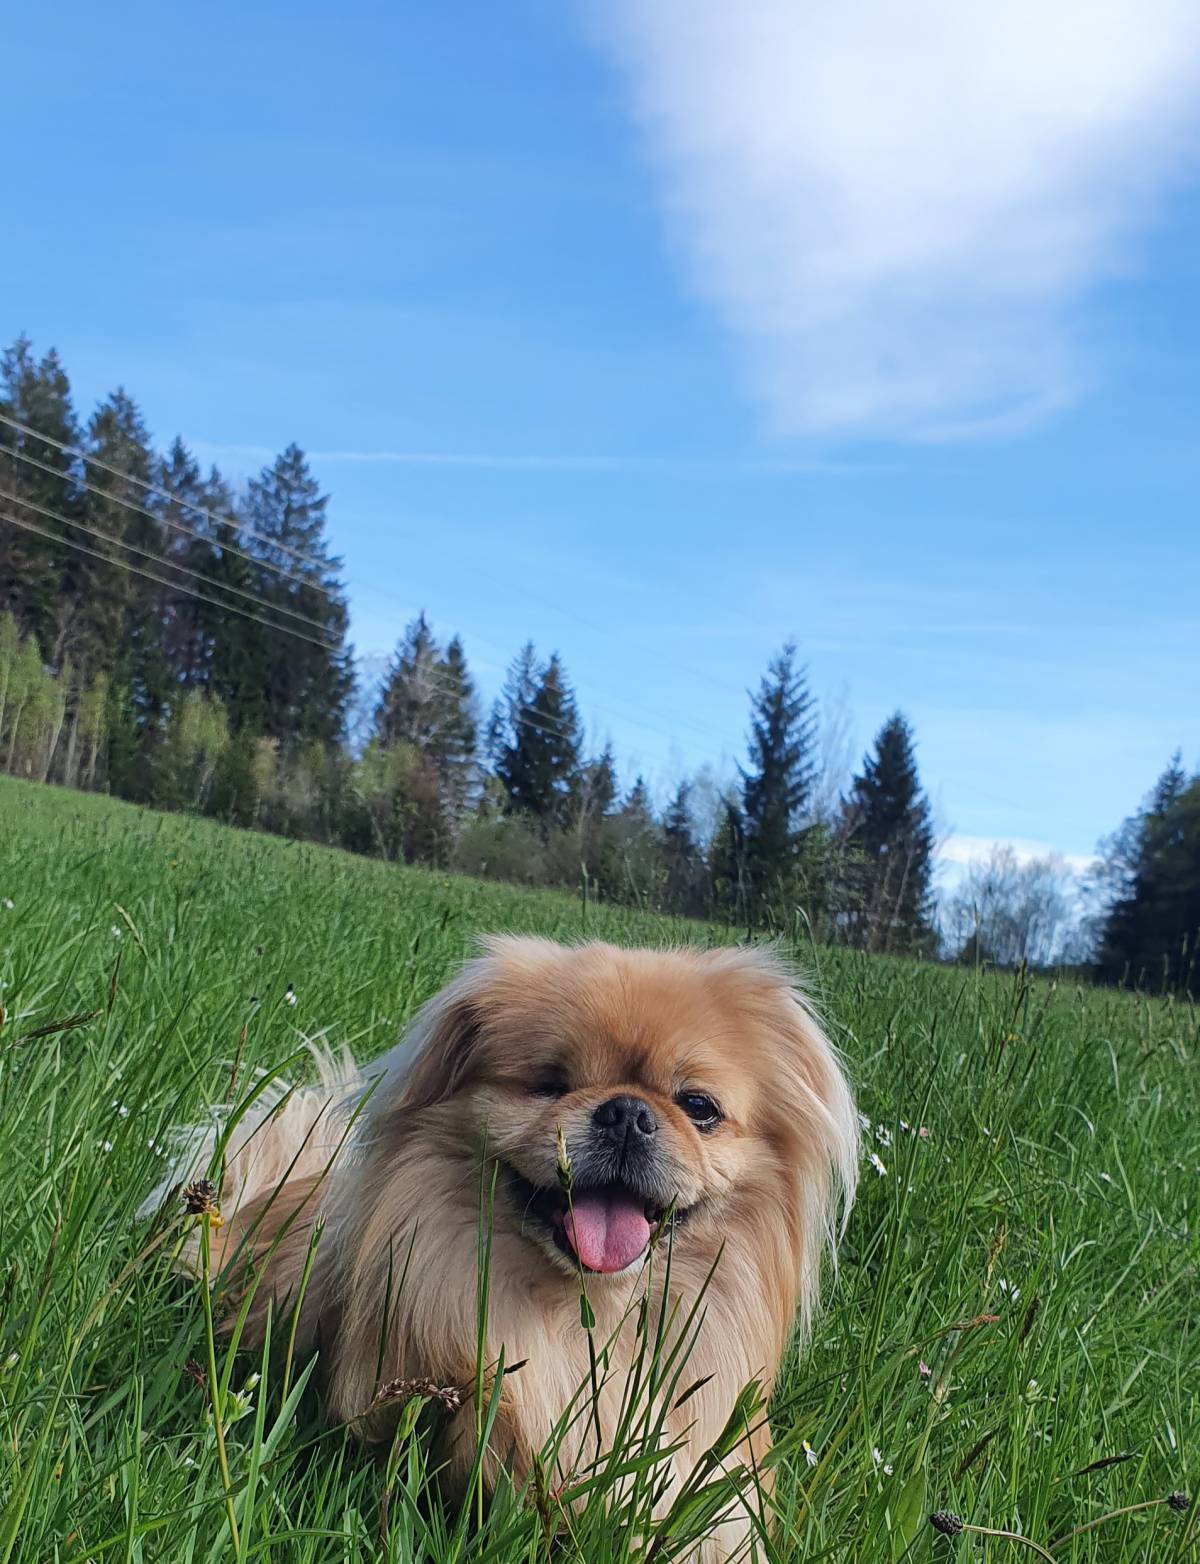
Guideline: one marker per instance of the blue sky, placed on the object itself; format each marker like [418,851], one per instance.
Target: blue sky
[663,332]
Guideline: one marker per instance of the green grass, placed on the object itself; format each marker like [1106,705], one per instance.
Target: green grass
[1057,1189]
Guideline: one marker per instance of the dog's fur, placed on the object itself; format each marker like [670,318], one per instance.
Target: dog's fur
[395,1185]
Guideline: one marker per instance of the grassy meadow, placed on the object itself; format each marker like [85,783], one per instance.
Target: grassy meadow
[1014,1335]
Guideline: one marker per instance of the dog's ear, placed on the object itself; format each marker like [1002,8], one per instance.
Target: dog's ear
[434,1058]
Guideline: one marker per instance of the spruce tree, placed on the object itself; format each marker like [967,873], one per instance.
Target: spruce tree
[598,790]
[242,633]
[889,823]
[777,787]
[410,709]
[535,741]
[427,704]
[306,672]
[1152,932]
[192,622]
[681,891]
[728,898]
[457,750]
[32,566]
[98,594]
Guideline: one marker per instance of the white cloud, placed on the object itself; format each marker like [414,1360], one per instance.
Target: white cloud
[897,208]
[960,851]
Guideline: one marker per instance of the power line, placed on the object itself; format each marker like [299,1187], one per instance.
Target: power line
[218,519]
[152,488]
[121,564]
[249,532]
[169,564]
[166,521]
[438,680]
[267,624]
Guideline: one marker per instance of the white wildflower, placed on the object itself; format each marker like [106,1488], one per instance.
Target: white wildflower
[810,1455]
[289,997]
[1009,1290]
[115,931]
[106,1146]
[864,1120]
[237,1404]
[1106,1178]
[877,1165]
[905,1127]
[119,1108]
[883,1135]
[877,1457]
[8,904]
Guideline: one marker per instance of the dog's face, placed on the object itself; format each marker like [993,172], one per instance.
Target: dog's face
[619,1090]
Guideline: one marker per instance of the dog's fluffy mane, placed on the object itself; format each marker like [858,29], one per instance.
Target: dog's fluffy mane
[369,1154]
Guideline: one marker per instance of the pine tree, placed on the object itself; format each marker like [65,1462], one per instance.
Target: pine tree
[110,616]
[38,483]
[457,755]
[410,707]
[777,786]
[427,704]
[1152,932]
[137,608]
[535,741]
[192,624]
[598,786]
[305,687]
[728,897]
[682,889]
[239,640]
[889,823]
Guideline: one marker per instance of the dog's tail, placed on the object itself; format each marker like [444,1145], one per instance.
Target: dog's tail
[288,1135]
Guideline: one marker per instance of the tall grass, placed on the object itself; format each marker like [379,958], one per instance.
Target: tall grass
[1014,1336]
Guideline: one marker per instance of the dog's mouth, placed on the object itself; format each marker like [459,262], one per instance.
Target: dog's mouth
[604,1229]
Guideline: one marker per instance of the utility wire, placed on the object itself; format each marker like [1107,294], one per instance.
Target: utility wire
[153,488]
[166,521]
[168,564]
[240,527]
[267,624]
[120,564]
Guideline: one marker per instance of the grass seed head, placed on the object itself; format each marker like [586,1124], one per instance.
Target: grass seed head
[946,1522]
[448,1397]
[200,1199]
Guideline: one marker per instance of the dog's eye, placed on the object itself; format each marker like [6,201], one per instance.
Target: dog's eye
[550,1086]
[702,1110]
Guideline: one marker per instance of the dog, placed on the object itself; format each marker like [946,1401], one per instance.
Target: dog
[623,1114]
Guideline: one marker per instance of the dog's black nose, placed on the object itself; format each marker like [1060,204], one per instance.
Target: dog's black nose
[625,1117]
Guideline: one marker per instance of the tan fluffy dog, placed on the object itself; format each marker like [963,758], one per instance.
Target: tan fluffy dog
[686,1091]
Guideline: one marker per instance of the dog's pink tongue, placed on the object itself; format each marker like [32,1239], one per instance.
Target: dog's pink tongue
[607,1231]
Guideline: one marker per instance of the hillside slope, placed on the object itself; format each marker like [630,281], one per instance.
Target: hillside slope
[1053,1186]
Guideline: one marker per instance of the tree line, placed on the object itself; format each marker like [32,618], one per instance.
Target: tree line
[182,642]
